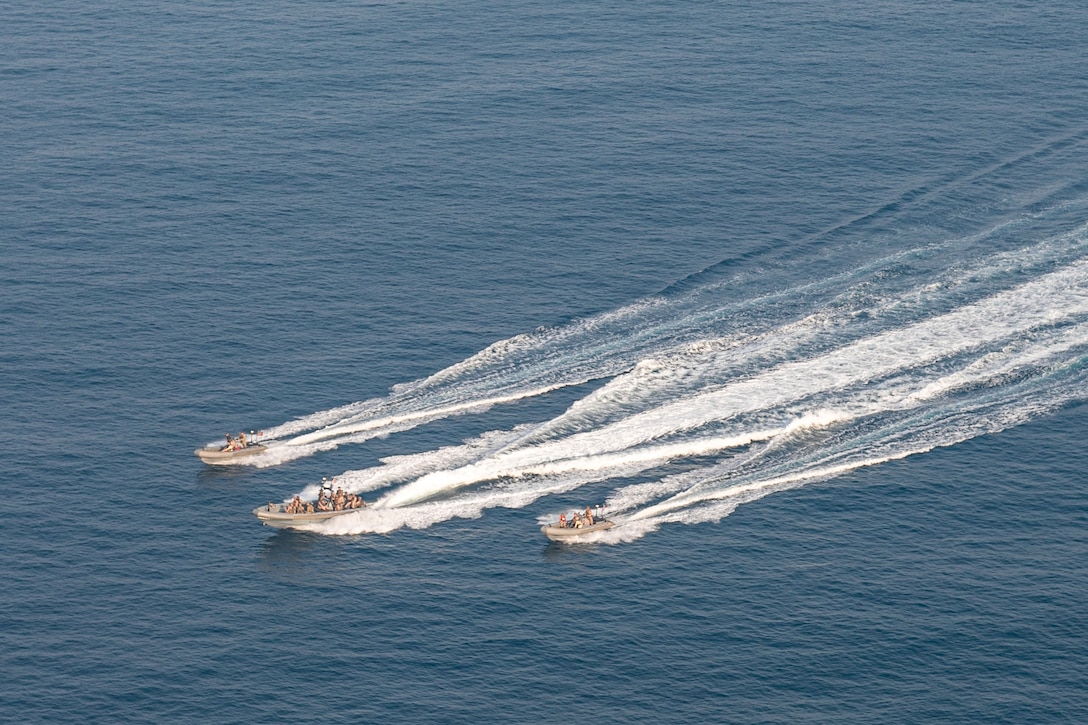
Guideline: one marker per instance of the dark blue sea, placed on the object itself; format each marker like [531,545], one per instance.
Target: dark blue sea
[797,290]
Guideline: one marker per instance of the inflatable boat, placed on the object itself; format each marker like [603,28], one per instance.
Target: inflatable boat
[557,532]
[216,456]
[276,516]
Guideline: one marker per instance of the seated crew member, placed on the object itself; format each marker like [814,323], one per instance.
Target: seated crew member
[242,440]
[588,517]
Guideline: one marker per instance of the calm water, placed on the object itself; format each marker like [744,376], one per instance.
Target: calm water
[487,262]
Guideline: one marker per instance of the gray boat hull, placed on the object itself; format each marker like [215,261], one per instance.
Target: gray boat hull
[277,518]
[555,532]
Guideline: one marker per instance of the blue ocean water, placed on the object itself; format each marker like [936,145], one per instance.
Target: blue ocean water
[487,262]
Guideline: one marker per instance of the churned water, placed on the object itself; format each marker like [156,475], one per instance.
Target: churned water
[486,263]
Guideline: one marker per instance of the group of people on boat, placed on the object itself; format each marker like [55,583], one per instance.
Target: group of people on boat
[327,500]
[297,506]
[237,444]
[339,501]
[584,519]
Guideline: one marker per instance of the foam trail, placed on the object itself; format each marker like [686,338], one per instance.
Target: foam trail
[1048,300]
[543,462]
[706,363]
[713,495]
[381,425]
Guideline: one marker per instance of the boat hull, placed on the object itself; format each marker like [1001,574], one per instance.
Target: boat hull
[555,532]
[277,518]
[217,457]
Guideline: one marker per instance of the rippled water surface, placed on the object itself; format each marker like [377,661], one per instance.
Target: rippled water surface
[798,290]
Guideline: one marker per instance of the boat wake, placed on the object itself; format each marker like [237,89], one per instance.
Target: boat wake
[747,384]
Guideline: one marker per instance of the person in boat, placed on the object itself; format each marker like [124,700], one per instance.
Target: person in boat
[588,517]
[324,497]
[338,500]
[242,439]
[309,507]
[230,444]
